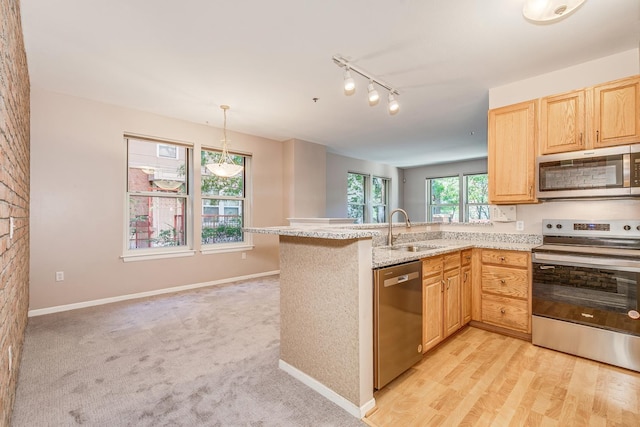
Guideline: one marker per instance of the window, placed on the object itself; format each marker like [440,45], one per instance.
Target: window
[367,198]
[379,199]
[445,204]
[443,195]
[167,151]
[158,195]
[224,207]
[477,198]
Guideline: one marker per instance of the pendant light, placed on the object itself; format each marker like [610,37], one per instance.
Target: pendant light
[545,11]
[225,167]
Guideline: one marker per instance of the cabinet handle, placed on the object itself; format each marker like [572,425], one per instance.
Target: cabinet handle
[597,136]
[466,276]
[442,287]
[502,259]
[531,191]
[580,138]
[502,310]
[502,281]
[448,283]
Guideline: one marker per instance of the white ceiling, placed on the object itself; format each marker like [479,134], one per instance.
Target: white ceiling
[269,59]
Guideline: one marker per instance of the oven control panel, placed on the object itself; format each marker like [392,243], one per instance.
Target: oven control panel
[601,228]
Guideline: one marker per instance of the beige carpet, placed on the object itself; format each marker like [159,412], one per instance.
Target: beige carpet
[206,357]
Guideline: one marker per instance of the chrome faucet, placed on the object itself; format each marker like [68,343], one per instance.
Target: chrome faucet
[406,222]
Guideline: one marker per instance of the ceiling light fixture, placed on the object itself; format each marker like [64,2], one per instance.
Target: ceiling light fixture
[349,83]
[545,11]
[394,107]
[225,167]
[373,95]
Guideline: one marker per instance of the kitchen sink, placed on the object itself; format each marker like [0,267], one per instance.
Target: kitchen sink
[414,248]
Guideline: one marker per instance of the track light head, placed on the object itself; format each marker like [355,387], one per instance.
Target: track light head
[374,96]
[349,83]
[394,107]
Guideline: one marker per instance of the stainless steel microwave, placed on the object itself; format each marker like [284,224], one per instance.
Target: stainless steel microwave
[602,172]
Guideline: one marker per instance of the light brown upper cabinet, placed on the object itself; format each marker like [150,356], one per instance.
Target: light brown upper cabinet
[511,153]
[616,112]
[562,122]
[601,116]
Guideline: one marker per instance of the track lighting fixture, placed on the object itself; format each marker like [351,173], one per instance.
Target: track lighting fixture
[394,107]
[372,92]
[349,83]
[374,96]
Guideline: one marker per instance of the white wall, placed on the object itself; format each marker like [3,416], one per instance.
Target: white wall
[304,179]
[337,169]
[415,187]
[78,177]
[583,75]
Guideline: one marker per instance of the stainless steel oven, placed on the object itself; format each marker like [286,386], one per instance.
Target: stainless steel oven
[586,302]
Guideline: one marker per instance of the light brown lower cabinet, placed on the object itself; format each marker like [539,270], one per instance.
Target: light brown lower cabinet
[443,298]
[505,290]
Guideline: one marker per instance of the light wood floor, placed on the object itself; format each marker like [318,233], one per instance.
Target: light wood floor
[479,378]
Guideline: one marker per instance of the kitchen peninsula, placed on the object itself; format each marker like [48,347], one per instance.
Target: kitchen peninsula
[326,299]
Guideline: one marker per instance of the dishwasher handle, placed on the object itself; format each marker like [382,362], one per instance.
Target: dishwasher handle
[392,281]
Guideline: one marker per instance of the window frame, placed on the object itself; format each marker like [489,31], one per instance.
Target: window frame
[368,204]
[247,208]
[463,196]
[138,254]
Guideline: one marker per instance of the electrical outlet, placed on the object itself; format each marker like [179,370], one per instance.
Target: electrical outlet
[59,276]
[244,255]
[519,225]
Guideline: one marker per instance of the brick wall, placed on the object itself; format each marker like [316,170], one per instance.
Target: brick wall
[14,200]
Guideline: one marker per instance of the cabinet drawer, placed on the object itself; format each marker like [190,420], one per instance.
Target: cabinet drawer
[506,312]
[451,260]
[432,265]
[510,282]
[466,257]
[512,258]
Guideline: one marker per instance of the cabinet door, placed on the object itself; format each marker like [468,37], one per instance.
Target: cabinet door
[465,277]
[432,311]
[616,112]
[452,300]
[562,123]
[511,153]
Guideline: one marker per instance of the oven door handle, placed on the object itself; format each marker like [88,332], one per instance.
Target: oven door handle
[547,267]
[587,261]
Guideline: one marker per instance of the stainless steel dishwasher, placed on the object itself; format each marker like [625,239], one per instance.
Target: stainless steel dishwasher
[397,321]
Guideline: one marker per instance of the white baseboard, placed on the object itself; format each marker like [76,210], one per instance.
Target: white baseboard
[84,304]
[326,392]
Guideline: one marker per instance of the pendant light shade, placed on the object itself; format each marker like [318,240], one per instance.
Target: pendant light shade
[225,168]
[545,11]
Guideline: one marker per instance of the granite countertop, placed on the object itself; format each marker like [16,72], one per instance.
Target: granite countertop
[383,256]
[320,232]
[437,242]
